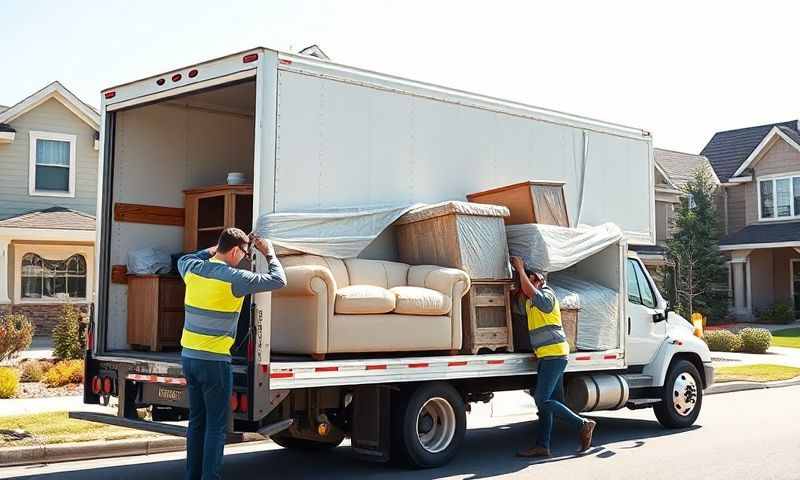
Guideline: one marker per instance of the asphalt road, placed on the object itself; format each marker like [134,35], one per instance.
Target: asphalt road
[746,435]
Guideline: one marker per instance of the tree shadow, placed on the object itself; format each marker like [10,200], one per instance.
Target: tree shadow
[486,452]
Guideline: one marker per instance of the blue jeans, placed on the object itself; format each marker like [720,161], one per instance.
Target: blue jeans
[209,384]
[548,394]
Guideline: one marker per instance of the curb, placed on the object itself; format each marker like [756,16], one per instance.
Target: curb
[67,452]
[729,387]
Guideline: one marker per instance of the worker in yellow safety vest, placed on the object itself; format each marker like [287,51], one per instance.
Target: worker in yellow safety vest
[549,343]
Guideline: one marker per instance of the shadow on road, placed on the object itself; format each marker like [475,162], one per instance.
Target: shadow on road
[487,452]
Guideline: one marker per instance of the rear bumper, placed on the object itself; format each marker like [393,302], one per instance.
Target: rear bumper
[708,370]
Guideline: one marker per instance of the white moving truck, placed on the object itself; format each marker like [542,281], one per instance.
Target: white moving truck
[314,134]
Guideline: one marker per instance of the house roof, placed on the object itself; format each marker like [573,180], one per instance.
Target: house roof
[55,90]
[679,166]
[53,218]
[776,134]
[764,233]
[729,149]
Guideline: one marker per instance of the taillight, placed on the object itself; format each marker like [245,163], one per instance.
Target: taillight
[110,94]
[234,402]
[244,403]
[107,385]
[176,77]
[250,57]
[286,61]
[192,73]
[96,385]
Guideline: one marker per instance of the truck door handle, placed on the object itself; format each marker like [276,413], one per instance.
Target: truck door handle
[629,325]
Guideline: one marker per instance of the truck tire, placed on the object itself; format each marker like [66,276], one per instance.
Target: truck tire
[292,443]
[428,425]
[682,396]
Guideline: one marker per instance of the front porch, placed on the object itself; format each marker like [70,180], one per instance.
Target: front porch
[764,268]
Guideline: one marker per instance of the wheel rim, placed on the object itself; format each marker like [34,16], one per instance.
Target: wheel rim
[436,424]
[684,394]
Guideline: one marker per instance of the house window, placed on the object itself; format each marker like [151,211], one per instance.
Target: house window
[779,198]
[52,164]
[45,279]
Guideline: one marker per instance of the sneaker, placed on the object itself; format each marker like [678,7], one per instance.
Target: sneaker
[585,435]
[534,452]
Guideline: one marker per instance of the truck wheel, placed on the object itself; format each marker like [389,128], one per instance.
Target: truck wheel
[428,425]
[291,443]
[682,396]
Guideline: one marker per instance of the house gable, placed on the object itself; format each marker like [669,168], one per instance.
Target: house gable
[52,91]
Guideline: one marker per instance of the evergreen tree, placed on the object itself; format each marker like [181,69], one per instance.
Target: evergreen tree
[700,270]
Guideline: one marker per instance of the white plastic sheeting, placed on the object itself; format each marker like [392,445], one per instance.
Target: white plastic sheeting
[333,232]
[598,319]
[549,248]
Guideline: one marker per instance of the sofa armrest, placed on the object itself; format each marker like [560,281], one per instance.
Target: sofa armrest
[450,281]
[302,310]
[303,280]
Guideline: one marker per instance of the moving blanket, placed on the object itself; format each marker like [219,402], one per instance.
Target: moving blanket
[598,319]
[333,232]
[549,248]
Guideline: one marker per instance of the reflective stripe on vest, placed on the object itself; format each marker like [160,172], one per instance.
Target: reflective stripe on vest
[546,332]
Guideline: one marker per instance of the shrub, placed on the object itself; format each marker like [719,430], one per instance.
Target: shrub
[722,341]
[63,373]
[755,340]
[780,313]
[68,341]
[16,333]
[31,371]
[9,381]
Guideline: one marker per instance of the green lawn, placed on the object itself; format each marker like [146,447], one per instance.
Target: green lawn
[789,337]
[57,427]
[755,373]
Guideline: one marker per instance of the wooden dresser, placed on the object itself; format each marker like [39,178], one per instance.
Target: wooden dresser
[210,210]
[155,311]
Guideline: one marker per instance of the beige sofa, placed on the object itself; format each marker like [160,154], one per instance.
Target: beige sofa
[357,306]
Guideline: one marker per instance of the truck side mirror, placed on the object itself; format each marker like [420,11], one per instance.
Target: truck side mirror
[661,316]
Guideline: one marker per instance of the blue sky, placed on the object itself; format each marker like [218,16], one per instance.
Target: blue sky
[679,69]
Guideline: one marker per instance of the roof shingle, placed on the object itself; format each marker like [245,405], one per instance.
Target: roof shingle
[681,166]
[56,218]
[764,233]
[728,150]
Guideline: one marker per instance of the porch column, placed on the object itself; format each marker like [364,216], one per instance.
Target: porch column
[4,242]
[739,278]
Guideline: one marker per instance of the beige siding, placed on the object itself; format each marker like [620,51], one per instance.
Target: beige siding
[663,216]
[51,116]
[751,203]
[781,268]
[778,159]
[736,207]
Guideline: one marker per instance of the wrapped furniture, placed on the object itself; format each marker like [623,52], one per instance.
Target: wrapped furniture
[358,306]
[462,235]
[529,202]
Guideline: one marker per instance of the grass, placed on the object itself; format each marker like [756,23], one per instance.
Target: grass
[56,427]
[789,337]
[755,373]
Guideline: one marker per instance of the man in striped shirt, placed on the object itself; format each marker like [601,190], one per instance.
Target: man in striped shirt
[215,291]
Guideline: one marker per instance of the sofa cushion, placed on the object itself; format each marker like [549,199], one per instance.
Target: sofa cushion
[377,272]
[364,299]
[421,301]
[336,266]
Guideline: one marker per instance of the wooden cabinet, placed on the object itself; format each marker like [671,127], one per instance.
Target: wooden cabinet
[529,202]
[210,210]
[486,311]
[155,311]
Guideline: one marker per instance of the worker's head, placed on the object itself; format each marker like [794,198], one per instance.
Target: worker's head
[232,246]
[536,278]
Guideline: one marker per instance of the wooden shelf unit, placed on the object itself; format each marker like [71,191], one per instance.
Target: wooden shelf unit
[210,210]
[155,311]
[486,315]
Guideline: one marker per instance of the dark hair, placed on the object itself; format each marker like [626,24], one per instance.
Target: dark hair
[231,238]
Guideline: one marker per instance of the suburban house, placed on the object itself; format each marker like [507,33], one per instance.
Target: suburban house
[759,168]
[673,170]
[48,197]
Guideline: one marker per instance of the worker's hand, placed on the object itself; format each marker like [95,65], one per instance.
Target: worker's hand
[212,250]
[263,245]
[518,264]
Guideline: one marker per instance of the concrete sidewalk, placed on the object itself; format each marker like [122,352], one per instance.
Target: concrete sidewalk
[789,357]
[735,327]
[27,406]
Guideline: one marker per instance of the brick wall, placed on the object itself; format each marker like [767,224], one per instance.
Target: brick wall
[44,316]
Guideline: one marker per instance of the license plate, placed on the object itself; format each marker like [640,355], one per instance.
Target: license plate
[170,394]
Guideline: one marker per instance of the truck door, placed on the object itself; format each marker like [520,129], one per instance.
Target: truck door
[646,331]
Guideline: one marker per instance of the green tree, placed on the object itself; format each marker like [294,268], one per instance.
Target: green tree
[700,271]
[68,338]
